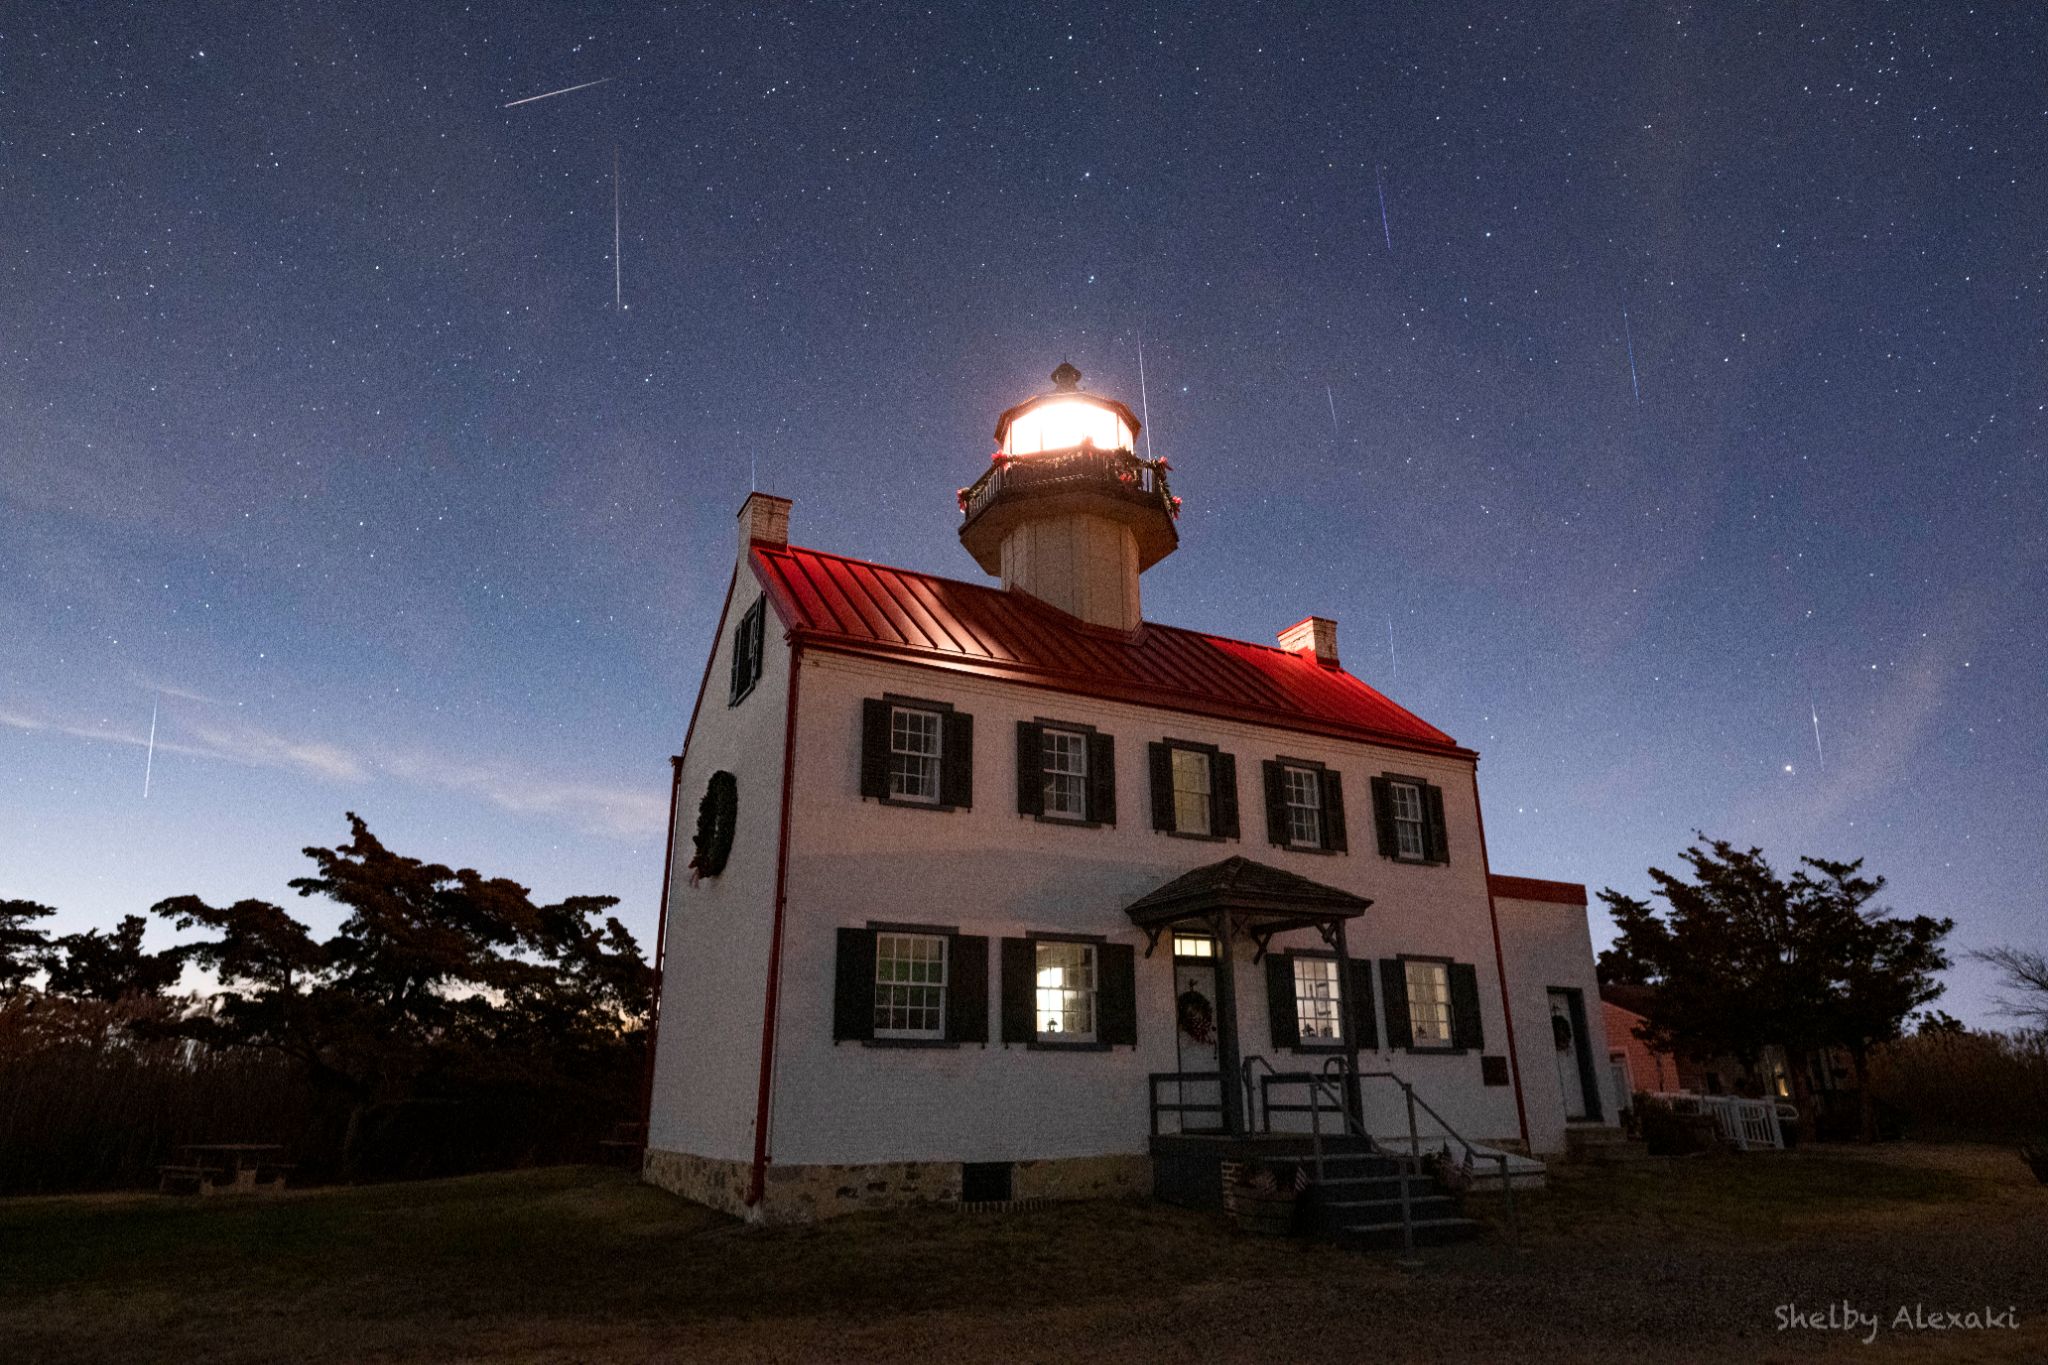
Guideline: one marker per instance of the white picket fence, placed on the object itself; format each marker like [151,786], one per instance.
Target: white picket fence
[1748,1124]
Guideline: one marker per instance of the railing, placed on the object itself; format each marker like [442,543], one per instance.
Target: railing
[1415,1101]
[1182,1106]
[1119,472]
[1746,1123]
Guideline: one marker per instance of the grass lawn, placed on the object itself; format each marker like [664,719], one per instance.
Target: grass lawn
[1667,1262]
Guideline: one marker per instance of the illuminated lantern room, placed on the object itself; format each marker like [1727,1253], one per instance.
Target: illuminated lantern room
[1068,512]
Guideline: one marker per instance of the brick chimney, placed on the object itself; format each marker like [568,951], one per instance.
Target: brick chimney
[764,518]
[1317,635]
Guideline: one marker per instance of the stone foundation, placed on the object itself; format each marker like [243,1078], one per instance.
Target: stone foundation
[805,1194]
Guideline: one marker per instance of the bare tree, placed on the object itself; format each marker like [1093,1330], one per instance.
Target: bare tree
[2026,976]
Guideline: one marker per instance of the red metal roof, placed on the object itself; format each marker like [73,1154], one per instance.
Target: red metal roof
[1533,889]
[833,602]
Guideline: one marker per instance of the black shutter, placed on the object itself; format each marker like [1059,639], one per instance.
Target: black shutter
[1333,811]
[1116,993]
[853,994]
[956,760]
[1394,988]
[1359,984]
[1280,1000]
[1020,965]
[1589,1085]
[1102,779]
[967,989]
[1161,760]
[1466,1030]
[1439,844]
[1383,817]
[738,664]
[1030,768]
[874,748]
[1223,795]
[1276,802]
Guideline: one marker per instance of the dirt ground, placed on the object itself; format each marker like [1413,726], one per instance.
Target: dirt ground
[1689,1260]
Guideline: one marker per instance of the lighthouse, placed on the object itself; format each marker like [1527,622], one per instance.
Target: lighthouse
[1068,513]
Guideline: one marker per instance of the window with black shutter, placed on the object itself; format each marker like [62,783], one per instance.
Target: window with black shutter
[1305,805]
[1408,819]
[747,644]
[1066,773]
[915,752]
[1067,992]
[1194,789]
[1432,1004]
[910,985]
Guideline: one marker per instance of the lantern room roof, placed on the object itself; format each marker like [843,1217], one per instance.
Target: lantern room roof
[848,605]
[1066,388]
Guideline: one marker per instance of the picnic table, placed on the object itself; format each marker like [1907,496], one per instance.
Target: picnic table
[226,1168]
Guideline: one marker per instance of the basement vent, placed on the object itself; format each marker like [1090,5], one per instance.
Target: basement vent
[986,1182]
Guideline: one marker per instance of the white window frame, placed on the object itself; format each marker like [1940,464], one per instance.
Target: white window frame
[1304,818]
[905,990]
[1060,1000]
[1318,1001]
[1429,1003]
[930,772]
[1194,945]
[1411,823]
[1187,796]
[1069,779]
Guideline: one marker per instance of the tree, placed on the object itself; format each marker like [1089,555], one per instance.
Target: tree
[1743,958]
[112,966]
[440,985]
[2026,977]
[23,948]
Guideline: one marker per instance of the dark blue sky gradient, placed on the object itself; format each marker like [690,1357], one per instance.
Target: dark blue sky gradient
[319,428]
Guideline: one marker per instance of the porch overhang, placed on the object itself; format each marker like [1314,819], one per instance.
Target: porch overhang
[1240,896]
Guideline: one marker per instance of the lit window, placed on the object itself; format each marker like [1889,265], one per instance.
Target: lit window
[1318,1001]
[1429,1004]
[1066,992]
[1193,945]
[910,986]
[1408,825]
[1304,807]
[913,754]
[1066,774]
[1191,792]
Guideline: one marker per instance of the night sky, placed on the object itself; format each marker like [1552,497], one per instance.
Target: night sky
[322,434]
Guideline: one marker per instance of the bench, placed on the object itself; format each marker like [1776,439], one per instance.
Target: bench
[174,1179]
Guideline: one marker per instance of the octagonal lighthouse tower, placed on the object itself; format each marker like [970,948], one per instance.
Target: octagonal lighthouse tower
[1067,512]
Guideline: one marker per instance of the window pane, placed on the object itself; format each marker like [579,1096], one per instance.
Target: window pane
[1193,945]
[1190,792]
[910,986]
[913,755]
[1304,807]
[1065,756]
[1066,992]
[1429,1003]
[1318,1004]
[1407,798]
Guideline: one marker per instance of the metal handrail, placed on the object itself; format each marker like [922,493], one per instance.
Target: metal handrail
[1154,1080]
[1266,1119]
[1507,1184]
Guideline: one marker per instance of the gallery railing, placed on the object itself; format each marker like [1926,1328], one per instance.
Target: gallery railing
[1119,473]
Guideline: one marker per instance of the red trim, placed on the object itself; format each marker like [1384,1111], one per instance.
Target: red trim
[1500,964]
[772,996]
[1534,889]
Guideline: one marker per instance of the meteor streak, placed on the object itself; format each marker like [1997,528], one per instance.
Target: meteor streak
[1630,338]
[1817,753]
[1385,231]
[1144,403]
[1333,410]
[565,90]
[150,761]
[618,278]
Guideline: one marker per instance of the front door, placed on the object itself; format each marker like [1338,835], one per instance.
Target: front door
[1564,1033]
[1194,1009]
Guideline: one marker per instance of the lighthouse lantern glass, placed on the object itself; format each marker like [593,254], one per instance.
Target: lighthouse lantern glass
[1065,424]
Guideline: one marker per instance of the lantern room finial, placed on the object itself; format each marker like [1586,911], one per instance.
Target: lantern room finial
[1066,379]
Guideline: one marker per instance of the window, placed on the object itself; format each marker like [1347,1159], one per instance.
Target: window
[1429,1004]
[913,754]
[746,651]
[910,986]
[1193,945]
[1191,792]
[1065,758]
[1065,978]
[1304,808]
[1408,819]
[1318,1001]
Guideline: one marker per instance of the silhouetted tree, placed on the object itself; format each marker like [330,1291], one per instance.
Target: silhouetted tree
[1939,1024]
[1743,958]
[2026,977]
[111,966]
[439,984]
[23,947]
